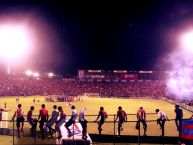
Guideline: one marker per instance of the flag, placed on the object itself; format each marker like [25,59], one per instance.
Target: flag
[187,130]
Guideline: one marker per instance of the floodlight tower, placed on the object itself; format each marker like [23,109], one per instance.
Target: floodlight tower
[14,43]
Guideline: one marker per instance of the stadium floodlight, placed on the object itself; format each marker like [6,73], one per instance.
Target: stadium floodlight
[50,75]
[187,41]
[36,74]
[14,42]
[28,72]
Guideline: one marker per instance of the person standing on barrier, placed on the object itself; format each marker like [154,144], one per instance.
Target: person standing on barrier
[179,117]
[83,122]
[43,118]
[71,121]
[103,116]
[141,117]
[52,121]
[122,118]
[20,119]
[61,120]
[32,122]
[161,120]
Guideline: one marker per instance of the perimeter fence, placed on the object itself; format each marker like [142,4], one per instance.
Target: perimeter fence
[132,132]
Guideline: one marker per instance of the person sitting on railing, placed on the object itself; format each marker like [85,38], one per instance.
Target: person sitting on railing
[162,119]
[71,120]
[52,121]
[61,120]
[103,116]
[141,117]
[32,122]
[43,118]
[122,118]
[179,117]
[83,122]
[20,119]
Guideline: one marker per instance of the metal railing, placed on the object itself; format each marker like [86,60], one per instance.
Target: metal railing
[112,121]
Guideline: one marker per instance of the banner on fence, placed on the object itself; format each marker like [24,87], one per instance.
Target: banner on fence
[187,130]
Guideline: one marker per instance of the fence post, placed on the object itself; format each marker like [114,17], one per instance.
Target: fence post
[73,134]
[13,133]
[163,130]
[179,137]
[114,130]
[138,138]
[34,131]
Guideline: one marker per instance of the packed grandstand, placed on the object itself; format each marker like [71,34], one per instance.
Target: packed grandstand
[13,85]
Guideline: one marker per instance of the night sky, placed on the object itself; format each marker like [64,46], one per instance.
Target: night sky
[130,36]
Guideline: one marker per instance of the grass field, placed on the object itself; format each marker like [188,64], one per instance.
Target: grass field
[129,105]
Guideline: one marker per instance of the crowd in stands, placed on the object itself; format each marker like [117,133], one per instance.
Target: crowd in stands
[27,86]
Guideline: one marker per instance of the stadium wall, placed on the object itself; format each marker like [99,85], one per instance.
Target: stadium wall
[182,105]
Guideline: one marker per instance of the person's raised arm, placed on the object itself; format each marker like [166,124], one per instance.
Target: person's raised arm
[13,116]
[47,117]
[125,117]
[137,115]
[117,116]
[97,117]
[39,115]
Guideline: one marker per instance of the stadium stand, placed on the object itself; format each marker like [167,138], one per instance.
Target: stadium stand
[27,86]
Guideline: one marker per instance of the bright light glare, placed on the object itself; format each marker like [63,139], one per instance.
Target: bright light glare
[50,74]
[36,74]
[28,72]
[187,41]
[14,41]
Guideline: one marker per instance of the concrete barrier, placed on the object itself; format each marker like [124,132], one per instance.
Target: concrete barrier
[76,138]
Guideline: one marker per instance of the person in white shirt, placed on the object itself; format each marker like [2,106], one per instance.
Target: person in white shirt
[162,119]
[83,122]
[71,120]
